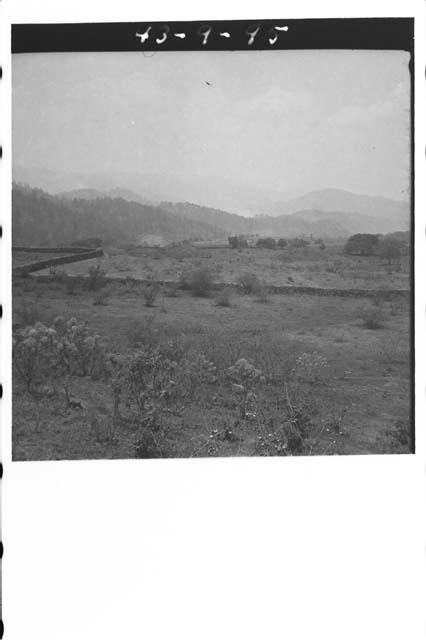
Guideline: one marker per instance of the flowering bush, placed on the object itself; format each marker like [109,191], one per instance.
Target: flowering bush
[245,373]
[201,370]
[35,354]
[43,353]
[144,381]
[284,441]
[244,378]
[96,277]
[80,353]
[309,367]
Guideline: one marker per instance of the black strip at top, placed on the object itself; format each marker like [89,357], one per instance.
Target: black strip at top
[217,35]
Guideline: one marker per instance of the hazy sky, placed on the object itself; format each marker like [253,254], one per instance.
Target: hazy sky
[287,120]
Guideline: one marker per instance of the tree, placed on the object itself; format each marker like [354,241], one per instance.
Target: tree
[266,243]
[389,248]
[282,243]
[362,244]
[237,242]
[299,243]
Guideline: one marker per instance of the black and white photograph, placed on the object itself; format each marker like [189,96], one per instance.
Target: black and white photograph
[212,252]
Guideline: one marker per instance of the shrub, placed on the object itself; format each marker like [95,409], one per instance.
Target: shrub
[28,313]
[199,282]
[34,354]
[372,318]
[262,293]
[70,284]
[144,380]
[309,367]
[223,298]
[299,243]
[266,243]
[130,283]
[57,274]
[80,353]
[41,353]
[102,297]
[282,243]
[249,283]
[147,446]
[150,293]
[171,291]
[142,333]
[97,277]
[244,377]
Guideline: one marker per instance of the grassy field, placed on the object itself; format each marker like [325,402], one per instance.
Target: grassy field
[309,266]
[327,382]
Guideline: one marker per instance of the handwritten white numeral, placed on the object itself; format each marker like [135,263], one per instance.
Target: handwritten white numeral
[144,36]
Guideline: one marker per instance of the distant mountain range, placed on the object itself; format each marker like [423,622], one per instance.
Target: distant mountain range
[122,213]
[207,191]
[391,212]
[319,223]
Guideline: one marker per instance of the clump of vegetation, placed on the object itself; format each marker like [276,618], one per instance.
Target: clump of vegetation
[299,243]
[309,367]
[101,297]
[198,281]
[288,435]
[262,293]
[142,333]
[282,242]
[150,293]
[42,354]
[97,277]
[80,352]
[171,291]
[144,381]
[266,243]
[28,313]
[244,377]
[362,244]
[130,283]
[35,354]
[57,274]
[70,283]
[249,283]
[238,242]
[389,248]
[223,298]
[373,318]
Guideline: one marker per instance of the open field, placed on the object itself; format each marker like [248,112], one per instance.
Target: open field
[309,266]
[340,387]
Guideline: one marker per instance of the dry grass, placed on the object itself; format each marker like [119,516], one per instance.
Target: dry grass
[307,266]
[368,371]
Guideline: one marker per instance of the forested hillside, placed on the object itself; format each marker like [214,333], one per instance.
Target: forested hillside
[41,219]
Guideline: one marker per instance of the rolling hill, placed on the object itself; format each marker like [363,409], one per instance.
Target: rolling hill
[95,194]
[40,219]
